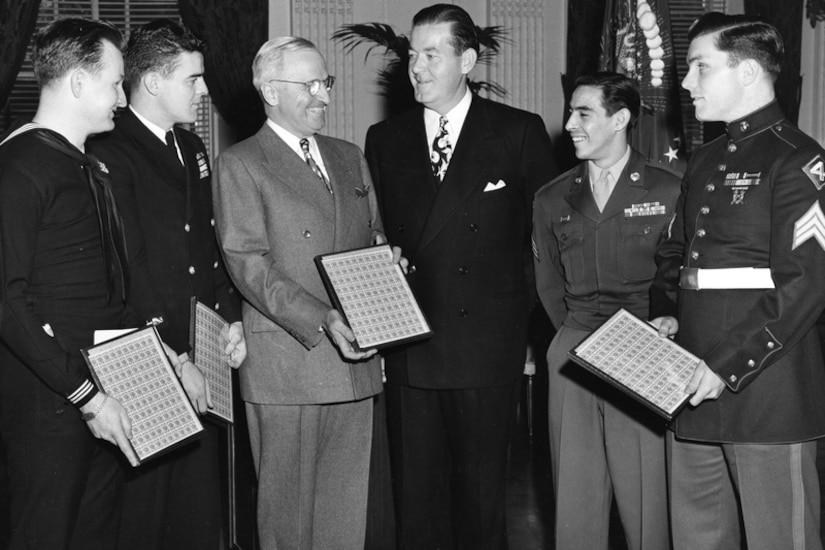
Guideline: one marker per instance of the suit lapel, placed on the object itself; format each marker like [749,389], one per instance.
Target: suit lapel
[471,158]
[165,164]
[287,168]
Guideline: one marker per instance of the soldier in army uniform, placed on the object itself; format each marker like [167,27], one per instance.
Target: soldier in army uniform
[743,273]
[596,229]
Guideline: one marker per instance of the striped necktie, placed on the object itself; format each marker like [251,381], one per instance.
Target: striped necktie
[314,165]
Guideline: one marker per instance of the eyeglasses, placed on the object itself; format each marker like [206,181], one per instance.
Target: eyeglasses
[313,86]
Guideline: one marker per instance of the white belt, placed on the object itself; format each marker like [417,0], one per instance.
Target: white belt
[693,278]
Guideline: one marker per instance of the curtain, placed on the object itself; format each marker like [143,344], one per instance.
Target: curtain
[787,18]
[233,31]
[17,22]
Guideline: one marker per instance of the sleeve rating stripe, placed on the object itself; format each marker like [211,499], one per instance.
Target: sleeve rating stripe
[810,226]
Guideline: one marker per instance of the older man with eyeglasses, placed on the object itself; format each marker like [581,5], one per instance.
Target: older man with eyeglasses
[282,197]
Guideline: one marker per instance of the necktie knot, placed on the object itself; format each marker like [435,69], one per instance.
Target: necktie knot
[442,150]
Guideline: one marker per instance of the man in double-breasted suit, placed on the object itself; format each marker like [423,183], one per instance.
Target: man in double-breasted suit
[282,197]
[596,229]
[161,181]
[455,180]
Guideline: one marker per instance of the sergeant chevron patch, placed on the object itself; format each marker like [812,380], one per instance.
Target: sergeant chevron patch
[810,226]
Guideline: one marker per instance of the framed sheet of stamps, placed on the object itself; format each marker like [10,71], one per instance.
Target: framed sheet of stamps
[135,370]
[629,354]
[208,338]
[373,295]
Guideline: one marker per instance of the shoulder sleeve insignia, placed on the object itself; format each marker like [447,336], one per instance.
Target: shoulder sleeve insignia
[815,170]
[810,226]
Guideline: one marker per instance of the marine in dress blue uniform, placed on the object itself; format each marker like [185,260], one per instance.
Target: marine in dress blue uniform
[590,263]
[747,250]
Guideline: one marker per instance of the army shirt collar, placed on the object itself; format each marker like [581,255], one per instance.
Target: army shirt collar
[755,121]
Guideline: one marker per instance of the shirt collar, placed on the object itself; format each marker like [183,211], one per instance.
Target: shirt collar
[293,141]
[455,118]
[159,132]
[615,170]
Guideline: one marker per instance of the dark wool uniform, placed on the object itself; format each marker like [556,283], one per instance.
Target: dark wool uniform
[751,199]
[65,484]
[588,265]
[173,502]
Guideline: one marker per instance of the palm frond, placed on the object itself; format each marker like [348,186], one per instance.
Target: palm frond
[477,86]
[375,34]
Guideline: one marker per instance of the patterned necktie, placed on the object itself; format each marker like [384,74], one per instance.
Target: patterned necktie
[601,189]
[442,150]
[170,144]
[314,165]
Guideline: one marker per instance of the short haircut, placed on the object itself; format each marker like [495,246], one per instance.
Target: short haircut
[67,44]
[618,92]
[743,37]
[464,33]
[269,61]
[155,46]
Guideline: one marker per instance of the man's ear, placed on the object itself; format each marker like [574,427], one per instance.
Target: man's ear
[468,60]
[77,80]
[749,71]
[151,82]
[621,119]
[269,94]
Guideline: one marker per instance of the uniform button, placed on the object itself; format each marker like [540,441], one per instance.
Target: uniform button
[463,270]
[647,230]
[723,167]
[215,265]
[710,188]
[463,312]
[700,232]
[212,221]
[307,233]
[704,210]
[694,255]
[732,147]
[751,363]
[186,228]
[744,125]
[191,270]
[473,227]
[733,378]
[771,345]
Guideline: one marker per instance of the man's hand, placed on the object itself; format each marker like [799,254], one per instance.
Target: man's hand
[342,336]
[397,258]
[236,345]
[111,422]
[196,387]
[667,326]
[176,360]
[705,384]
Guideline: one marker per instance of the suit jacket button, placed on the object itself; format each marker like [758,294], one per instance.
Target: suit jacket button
[694,255]
[701,233]
[191,270]
[411,270]
[307,233]
[463,270]
[215,265]
[212,221]
[771,345]
[733,378]
[751,363]
[186,228]
[463,312]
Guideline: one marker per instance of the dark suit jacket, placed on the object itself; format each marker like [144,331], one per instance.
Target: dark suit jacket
[170,235]
[274,216]
[470,247]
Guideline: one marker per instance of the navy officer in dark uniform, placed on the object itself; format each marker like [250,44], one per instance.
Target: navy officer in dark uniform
[161,180]
[747,250]
[596,229]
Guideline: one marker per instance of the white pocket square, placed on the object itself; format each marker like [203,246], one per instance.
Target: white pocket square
[495,186]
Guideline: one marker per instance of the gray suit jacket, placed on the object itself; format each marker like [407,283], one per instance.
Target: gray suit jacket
[273,217]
